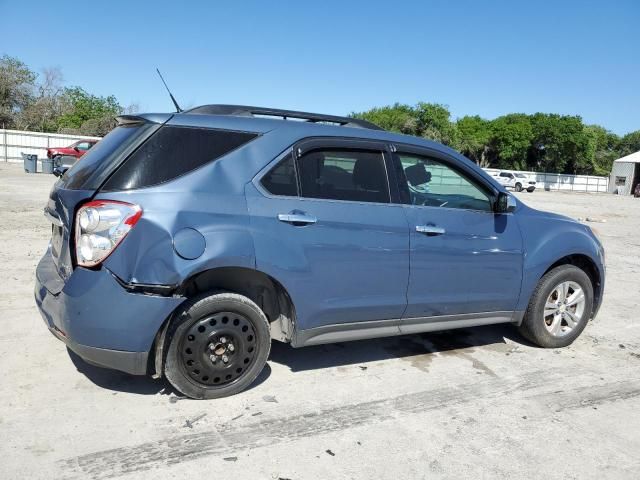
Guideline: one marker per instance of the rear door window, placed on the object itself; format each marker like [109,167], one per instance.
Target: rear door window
[353,175]
[173,151]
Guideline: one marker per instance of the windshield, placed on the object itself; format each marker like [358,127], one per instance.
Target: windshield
[90,171]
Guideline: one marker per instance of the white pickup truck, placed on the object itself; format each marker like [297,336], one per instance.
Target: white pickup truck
[517,181]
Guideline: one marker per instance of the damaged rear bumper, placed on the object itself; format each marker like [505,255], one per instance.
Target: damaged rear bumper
[98,319]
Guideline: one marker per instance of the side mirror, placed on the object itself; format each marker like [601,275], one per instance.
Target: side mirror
[505,203]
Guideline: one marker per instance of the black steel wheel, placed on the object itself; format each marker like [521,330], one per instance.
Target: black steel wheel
[218,344]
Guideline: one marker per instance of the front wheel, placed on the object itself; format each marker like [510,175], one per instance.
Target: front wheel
[518,187]
[560,307]
[218,344]
[530,189]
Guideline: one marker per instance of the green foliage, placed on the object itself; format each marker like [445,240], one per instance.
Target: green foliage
[89,110]
[30,102]
[474,136]
[630,143]
[541,142]
[17,84]
[511,138]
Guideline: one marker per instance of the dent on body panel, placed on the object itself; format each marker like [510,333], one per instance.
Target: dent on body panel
[149,255]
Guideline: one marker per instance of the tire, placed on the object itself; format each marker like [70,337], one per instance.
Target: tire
[538,328]
[518,187]
[531,189]
[204,332]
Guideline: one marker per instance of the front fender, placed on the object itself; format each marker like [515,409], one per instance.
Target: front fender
[547,239]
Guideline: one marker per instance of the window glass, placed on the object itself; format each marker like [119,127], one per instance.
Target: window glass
[433,183]
[174,151]
[502,174]
[281,179]
[355,175]
[83,146]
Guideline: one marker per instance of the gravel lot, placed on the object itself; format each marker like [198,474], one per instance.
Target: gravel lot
[477,403]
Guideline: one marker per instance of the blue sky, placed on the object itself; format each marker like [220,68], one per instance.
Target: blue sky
[477,57]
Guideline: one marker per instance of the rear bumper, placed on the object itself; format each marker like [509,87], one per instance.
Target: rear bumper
[98,319]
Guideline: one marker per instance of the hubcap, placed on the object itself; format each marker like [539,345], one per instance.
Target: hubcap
[564,308]
[218,349]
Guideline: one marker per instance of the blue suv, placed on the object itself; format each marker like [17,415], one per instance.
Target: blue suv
[182,244]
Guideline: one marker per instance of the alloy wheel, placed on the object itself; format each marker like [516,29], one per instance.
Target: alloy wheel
[564,308]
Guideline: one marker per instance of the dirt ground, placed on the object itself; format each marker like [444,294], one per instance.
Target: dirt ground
[473,403]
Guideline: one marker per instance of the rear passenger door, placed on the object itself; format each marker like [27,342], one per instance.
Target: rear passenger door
[327,227]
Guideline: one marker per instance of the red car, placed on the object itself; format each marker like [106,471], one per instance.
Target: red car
[76,149]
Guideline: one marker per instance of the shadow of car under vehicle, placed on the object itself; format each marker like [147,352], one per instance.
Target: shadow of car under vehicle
[137,384]
[323,356]
[364,351]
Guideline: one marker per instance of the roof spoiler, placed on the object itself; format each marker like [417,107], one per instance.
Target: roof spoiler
[129,120]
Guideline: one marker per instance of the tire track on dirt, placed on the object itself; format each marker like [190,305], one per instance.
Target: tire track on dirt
[230,437]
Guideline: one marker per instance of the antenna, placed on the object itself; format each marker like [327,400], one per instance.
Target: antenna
[178,109]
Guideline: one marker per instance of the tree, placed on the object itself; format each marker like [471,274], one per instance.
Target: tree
[474,137]
[395,118]
[604,146]
[43,111]
[86,113]
[17,84]
[511,138]
[434,123]
[629,144]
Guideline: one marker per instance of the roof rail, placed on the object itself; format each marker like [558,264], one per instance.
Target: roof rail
[246,111]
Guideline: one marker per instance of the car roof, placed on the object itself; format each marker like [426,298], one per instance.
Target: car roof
[277,121]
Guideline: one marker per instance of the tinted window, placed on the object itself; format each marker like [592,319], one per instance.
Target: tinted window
[435,184]
[344,175]
[83,146]
[281,179]
[89,172]
[174,151]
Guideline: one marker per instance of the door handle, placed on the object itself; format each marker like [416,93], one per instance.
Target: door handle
[297,219]
[430,230]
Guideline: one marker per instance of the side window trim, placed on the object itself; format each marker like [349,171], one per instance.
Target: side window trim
[447,161]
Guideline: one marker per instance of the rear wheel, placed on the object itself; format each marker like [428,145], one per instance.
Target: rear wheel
[218,345]
[518,187]
[531,189]
[560,307]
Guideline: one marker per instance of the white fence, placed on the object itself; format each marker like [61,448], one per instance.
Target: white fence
[15,142]
[563,182]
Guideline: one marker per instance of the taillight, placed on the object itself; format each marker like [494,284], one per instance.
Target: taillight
[100,227]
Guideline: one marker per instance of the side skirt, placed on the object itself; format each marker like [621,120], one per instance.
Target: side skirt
[343,332]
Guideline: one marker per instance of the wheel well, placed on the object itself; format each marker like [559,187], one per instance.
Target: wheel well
[263,289]
[587,265]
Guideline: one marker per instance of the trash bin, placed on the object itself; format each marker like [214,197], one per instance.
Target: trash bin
[47,165]
[30,163]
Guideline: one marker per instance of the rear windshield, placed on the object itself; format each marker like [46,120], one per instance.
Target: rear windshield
[92,169]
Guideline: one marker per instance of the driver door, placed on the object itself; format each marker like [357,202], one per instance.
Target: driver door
[464,258]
